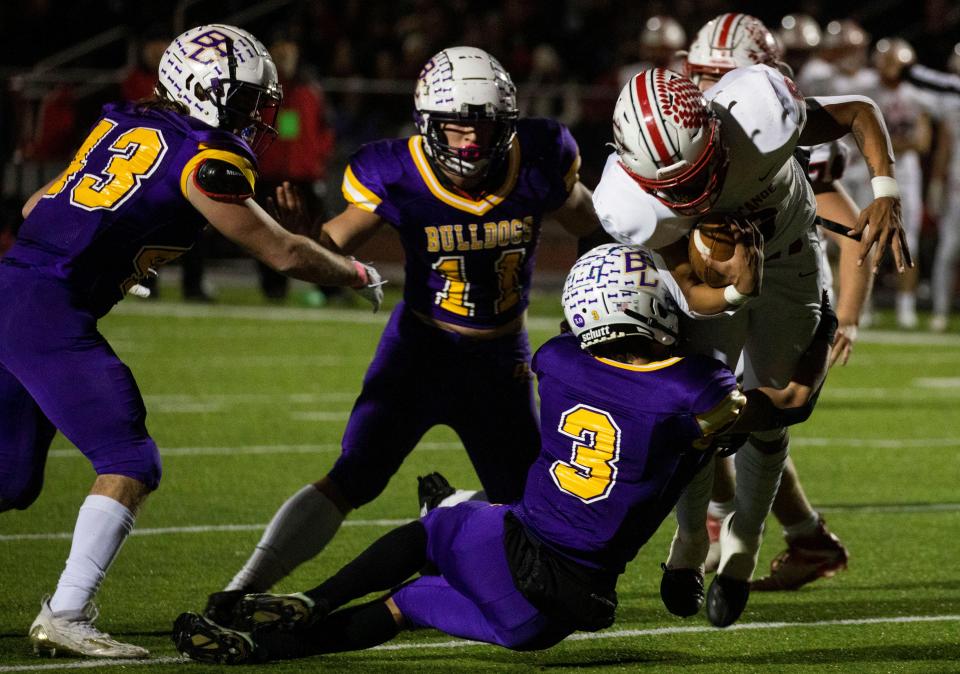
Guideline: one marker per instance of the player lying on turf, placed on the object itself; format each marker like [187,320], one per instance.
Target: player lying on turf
[625,427]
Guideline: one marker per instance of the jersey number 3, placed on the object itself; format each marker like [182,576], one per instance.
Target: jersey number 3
[135,154]
[592,470]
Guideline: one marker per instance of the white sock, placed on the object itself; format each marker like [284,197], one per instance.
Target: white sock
[690,542]
[103,524]
[299,530]
[758,477]
[718,510]
[803,528]
[906,300]
[462,496]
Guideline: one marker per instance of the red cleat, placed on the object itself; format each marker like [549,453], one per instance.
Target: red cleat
[806,559]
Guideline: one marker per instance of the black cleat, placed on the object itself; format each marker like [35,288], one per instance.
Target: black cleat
[682,591]
[285,611]
[726,600]
[204,641]
[431,490]
[221,607]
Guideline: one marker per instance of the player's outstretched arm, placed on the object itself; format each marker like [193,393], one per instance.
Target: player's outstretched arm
[835,204]
[577,214]
[829,118]
[249,226]
[349,230]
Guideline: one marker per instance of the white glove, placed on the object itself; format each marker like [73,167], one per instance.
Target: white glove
[138,290]
[372,291]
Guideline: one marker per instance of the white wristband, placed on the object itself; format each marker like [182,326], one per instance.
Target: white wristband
[733,296]
[885,186]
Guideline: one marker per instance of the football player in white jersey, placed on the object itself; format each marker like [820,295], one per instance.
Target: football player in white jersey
[943,196]
[812,551]
[908,121]
[681,155]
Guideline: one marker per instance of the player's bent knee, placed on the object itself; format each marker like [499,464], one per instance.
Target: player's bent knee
[770,442]
[139,461]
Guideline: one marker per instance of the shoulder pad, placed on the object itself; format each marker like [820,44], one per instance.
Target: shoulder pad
[219,179]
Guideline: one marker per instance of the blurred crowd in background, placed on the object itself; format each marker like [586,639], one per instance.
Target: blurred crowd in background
[348,69]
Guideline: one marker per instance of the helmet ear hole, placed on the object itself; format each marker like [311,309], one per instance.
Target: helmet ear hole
[199,92]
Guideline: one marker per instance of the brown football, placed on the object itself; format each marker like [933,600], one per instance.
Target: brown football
[713,238]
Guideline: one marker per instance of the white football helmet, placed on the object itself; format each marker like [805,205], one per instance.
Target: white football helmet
[668,141]
[226,78]
[663,32]
[953,63]
[615,291]
[465,85]
[799,32]
[891,55]
[730,41]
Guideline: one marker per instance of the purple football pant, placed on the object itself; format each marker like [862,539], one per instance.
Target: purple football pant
[421,377]
[475,596]
[57,370]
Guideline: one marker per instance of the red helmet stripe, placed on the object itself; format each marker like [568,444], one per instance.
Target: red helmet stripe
[648,118]
[725,27]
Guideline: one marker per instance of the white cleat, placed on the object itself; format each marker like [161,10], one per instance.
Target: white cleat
[72,633]
[939,323]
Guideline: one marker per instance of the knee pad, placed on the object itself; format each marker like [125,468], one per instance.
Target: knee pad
[771,442]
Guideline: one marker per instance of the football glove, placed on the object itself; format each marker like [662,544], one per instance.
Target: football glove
[372,291]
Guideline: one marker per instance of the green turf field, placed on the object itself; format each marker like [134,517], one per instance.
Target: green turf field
[248,404]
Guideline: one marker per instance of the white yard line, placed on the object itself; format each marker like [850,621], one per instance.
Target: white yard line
[264,313]
[580,636]
[872,508]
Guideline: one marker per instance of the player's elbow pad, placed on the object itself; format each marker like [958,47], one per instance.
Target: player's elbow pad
[222,181]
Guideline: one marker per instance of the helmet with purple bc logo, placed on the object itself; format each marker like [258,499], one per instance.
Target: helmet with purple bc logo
[615,291]
[226,78]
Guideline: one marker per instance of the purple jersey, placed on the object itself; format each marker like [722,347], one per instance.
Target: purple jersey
[119,209]
[620,443]
[468,262]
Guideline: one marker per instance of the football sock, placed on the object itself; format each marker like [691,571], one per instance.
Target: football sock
[103,524]
[299,530]
[803,529]
[351,629]
[758,476]
[461,496]
[389,561]
[690,542]
[719,510]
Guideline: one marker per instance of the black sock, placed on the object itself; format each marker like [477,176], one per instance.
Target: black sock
[385,564]
[351,629]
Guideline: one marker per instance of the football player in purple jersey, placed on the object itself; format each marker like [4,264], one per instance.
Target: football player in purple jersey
[626,425]
[467,196]
[136,195]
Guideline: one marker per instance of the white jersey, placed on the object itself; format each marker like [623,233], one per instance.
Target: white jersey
[761,114]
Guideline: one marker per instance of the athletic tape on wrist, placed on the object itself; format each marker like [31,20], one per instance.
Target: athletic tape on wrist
[733,296]
[885,186]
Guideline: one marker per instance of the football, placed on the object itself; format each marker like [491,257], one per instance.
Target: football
[713,238]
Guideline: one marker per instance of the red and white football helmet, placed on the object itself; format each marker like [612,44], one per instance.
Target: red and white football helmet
[731,41]
[668,141]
